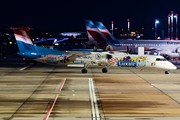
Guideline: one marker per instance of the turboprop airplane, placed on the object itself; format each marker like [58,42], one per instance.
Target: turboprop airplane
[53,57]
[104,59]
[168,48]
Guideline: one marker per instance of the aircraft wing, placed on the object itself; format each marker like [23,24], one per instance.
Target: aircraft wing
[75,54]
[123,51]
[79,53]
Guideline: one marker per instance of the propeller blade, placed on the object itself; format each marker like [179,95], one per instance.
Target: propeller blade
[127,49]
[94,49]
[130,51]
[106,48]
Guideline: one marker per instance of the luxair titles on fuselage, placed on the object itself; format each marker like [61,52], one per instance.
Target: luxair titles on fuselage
[126,61]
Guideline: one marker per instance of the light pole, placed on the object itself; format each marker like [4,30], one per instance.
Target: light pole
[112,25]
[128,28]
[156,22]
[171,25]
[168,26]
[176,16]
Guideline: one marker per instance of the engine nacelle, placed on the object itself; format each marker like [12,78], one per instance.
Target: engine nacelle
[108,56]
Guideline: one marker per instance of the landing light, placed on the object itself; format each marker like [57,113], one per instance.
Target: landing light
[157,21]
[158,38]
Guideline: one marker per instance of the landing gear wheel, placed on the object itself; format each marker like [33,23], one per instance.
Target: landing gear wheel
[104,70]
[166,72]
[84,71]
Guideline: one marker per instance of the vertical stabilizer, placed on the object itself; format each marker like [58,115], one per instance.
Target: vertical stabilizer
[89,36]
[23,40]
[94,33]
[104,31]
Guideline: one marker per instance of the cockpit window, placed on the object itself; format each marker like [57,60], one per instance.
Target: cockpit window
[161,59]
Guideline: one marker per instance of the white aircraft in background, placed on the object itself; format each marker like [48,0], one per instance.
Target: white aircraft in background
[104,59]
[98,32]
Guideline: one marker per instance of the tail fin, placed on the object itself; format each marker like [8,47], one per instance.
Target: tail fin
[23,40]
[94,33]
[104,31]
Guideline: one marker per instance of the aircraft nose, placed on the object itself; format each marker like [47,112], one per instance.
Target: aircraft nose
[173,67]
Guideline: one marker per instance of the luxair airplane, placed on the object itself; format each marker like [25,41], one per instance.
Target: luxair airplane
[104,59]
[98,32]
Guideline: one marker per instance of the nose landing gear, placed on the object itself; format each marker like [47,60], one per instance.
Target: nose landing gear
[166,72]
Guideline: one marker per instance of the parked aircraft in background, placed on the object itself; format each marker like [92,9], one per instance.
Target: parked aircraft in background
[93,34]
[167,48]
[59,41]
[104,59]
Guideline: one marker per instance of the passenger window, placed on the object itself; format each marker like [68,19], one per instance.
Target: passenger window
[160,59]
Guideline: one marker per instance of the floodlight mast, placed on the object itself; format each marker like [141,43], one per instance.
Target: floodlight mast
[171,25]
[156,22]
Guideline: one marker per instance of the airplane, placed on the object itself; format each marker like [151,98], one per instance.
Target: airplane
[103,59]
[166,48]
[51,56]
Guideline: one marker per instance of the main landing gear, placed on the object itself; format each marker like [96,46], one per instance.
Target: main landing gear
[104,70]
[84,70]
[166,72]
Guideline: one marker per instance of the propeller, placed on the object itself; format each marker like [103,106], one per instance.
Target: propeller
[94,49]
[106,48]
[108,57]
[129,50]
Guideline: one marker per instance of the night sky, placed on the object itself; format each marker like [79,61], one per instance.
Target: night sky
[69,15]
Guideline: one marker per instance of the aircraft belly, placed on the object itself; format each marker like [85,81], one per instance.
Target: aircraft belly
[51,62]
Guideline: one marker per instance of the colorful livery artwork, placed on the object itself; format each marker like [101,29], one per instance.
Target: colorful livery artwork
[128,61]
[125,61]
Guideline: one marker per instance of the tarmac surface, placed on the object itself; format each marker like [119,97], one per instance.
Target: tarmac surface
[41,91]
